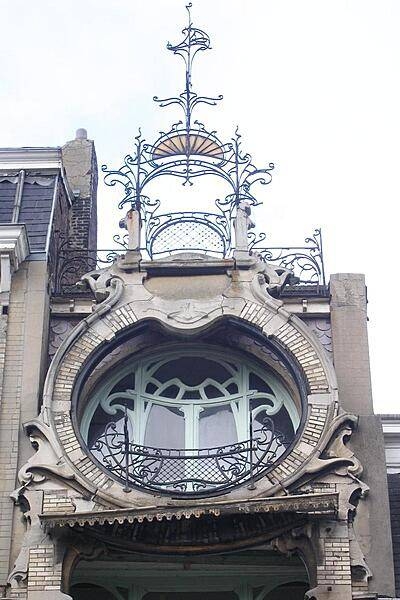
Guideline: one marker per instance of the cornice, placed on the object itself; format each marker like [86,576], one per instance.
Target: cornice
[30,158]
[14,242]
[14,248]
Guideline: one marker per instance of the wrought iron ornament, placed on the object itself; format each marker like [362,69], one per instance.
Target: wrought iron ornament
[187,151]
[306,262]
[188,471]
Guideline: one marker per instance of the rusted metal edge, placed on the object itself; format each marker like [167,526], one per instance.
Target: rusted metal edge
[312,504]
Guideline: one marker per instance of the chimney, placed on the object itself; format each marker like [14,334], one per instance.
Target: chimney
[80,163]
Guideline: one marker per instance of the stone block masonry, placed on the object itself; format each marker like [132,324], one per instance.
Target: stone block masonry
[12,343]
[22,345]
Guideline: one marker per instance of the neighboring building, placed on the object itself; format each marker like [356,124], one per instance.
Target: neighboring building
[193,419]
[391,432]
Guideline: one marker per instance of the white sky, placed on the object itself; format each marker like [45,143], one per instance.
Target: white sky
[313,84]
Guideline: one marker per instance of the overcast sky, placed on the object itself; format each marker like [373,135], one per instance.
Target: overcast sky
[313,85]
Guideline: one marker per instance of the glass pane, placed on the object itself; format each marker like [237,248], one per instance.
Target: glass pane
[256,383]
[165,428]
[283,424]
[171,391]
[258,421]
[217,427]
[126,383]
[192,370]
[101,420]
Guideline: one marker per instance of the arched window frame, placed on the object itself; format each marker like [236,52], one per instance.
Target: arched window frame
[239,402]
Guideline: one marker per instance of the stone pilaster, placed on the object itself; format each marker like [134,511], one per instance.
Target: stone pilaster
[45,574]
[351,360]
[333,571]
[25,341]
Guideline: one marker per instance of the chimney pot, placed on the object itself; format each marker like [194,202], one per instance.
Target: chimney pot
[81,134]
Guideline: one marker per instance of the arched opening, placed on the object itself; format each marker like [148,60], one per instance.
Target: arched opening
[256,574]
[195,415]
[91,591]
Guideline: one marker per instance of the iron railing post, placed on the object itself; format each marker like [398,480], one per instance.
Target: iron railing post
[126,448]
[251,484]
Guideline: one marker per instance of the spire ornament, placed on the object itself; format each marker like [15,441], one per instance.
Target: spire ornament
[187,151]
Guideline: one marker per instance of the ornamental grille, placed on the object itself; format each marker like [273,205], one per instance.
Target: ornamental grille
[189,421]
[191,470]
[187,234]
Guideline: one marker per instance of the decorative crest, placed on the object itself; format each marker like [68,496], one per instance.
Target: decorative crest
[188,150]
[195,40]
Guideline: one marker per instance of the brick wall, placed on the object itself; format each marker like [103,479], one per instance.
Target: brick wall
[44,570]
[335,569]
[57,501]
[394,501]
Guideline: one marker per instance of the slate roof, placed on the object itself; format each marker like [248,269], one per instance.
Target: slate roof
[36,206]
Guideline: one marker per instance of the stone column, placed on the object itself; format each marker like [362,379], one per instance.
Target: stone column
[132,223]
[242,225]
[351,360]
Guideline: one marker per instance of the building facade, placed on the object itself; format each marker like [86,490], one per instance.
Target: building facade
[191,414]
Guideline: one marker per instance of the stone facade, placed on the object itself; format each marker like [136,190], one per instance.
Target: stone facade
[325,499]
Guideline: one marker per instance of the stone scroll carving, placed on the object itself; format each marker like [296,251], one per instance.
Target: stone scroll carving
[321,454]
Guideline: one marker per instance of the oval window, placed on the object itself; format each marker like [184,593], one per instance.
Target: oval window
[189,421]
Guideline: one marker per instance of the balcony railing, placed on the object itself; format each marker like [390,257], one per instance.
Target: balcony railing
[306,262]
[188,471]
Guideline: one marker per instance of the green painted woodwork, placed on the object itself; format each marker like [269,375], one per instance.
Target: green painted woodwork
[183,385]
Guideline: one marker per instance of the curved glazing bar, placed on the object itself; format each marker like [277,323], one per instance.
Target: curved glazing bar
[189,420]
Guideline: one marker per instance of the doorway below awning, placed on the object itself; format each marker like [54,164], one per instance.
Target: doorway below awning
[257,574]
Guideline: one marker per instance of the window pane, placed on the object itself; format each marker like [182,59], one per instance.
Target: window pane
[256,383]
[165,428]
[217,427]
[192,370]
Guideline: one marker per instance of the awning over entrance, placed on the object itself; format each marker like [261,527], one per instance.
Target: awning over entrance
[193,529]
[311,504]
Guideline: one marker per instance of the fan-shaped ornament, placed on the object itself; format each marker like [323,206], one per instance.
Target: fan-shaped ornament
[187,144]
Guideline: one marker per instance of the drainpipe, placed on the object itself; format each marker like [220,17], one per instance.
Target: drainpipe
[18,196]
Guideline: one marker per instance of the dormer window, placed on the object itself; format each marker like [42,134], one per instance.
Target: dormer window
[189,420]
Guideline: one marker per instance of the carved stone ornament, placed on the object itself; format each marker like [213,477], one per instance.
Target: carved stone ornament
[320,455]
[125,301]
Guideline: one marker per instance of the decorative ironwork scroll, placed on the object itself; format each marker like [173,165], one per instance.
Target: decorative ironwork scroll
[195,232]
[187,151]
[73,262]
[306,262]
[188,471]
